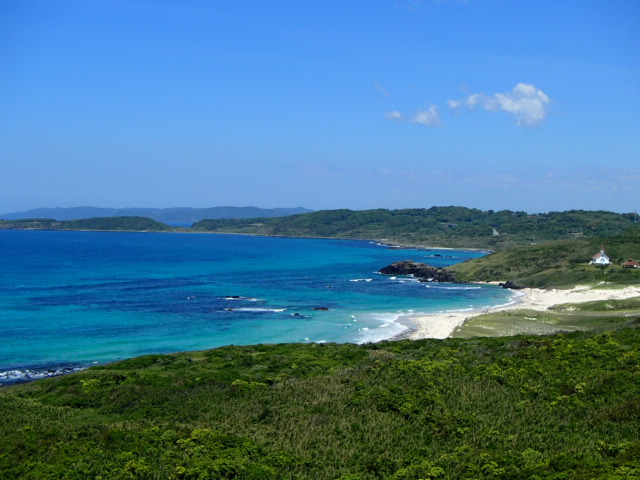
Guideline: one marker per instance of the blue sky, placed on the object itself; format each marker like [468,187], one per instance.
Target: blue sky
[493,104]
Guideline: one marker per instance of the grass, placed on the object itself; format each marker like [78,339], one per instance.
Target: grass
[601,315]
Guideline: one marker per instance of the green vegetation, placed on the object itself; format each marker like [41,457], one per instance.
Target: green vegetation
[116,223]
[561,407]
[436,226]
[624,306]
[558,264]
[601,315]
[526,407]
[137,224]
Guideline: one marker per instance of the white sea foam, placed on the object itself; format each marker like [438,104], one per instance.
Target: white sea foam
[259,310]
[445,287]
[17,375]
[407,279]
[386,245]
[388,327]
[510,302]
[361,280]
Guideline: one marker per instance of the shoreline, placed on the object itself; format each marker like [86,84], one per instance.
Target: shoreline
[441,325]
[417,326]
[380,242]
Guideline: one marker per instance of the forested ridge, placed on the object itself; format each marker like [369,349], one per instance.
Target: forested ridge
[435,226]
[458,227]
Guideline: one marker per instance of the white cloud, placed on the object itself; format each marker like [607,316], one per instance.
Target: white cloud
[394,115]
[473,100]
[429,117]
[526,102]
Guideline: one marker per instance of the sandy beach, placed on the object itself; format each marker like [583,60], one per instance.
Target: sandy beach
[442,325]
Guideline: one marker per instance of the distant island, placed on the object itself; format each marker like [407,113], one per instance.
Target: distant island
[121,224]
[183,216]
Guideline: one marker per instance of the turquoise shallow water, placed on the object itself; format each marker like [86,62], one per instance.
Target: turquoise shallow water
[79,298]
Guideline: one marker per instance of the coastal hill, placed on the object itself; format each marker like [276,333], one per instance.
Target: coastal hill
[174,216]
[552,264]
[436,226]
[559,263]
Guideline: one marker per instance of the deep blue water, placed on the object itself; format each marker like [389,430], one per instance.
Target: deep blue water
[80,298]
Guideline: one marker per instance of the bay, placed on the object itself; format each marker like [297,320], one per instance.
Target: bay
[73,299]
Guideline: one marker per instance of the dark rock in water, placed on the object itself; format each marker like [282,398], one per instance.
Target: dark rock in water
[511,285]
[320,308]
[422,271]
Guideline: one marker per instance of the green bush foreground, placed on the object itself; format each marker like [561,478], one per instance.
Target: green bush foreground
[556,407]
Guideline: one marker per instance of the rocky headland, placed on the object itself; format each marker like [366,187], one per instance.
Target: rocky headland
[421,271]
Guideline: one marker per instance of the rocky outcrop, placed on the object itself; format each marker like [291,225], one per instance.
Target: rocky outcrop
[511,285]
[421,271]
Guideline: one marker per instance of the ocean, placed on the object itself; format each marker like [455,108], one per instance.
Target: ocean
[69,300]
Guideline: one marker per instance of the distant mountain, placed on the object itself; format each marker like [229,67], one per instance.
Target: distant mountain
[173,216]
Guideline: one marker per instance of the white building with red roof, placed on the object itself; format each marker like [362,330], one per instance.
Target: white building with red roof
[600,258]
